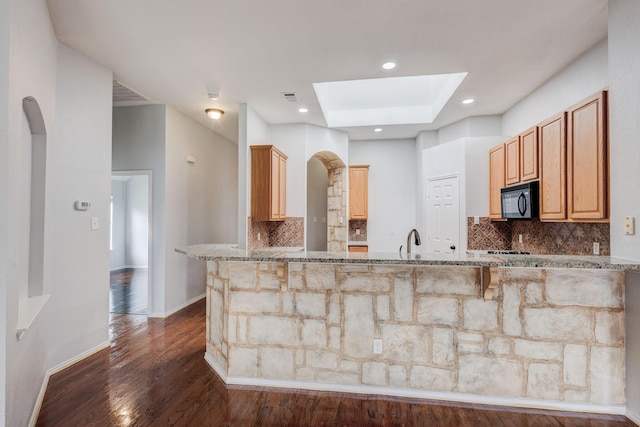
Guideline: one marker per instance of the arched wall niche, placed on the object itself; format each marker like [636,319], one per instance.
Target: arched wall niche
[336,200]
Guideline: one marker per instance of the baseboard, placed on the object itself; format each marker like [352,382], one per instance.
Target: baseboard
[634,417]
[219,371]
[55,370]
[422,394]
[176,309]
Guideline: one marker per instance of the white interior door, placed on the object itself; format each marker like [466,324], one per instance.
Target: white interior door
[443,214]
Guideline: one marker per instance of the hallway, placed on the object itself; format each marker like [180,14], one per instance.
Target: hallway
[154,374]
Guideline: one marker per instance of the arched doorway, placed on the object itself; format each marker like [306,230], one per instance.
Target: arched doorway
[336,212]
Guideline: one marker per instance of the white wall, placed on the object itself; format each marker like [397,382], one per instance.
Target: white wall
[119,252]
[139,144]
[392,189]
[585,76]
[477,174]
[624,111]
[252,130]
[30,55]
[137,221]
[5,13]
[317,184]
[81,170]
[197,200]
[290,139]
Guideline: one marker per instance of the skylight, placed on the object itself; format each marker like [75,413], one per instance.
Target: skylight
[386,101]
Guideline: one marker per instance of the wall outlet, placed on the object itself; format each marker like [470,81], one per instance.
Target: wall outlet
[357,231]
[476,220]
[596,248]
[258,237]
[520,238]
[629,225]
[377,346]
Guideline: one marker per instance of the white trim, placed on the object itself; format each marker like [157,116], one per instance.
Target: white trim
[54,370]
[422,394]
[633,416]
[218,370]
[176,309]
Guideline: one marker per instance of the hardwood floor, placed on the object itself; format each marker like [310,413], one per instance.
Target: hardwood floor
[154,374]
[128,290]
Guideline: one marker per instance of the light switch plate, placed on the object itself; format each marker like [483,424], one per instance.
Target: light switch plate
[95,223]
[629,225]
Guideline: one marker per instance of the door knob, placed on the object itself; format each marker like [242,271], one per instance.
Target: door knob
[452,247]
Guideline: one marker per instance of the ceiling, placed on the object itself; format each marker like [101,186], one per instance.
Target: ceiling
[252,51]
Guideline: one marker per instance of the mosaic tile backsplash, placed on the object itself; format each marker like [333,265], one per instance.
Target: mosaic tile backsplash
[358,224]
[545,238]
[289,232]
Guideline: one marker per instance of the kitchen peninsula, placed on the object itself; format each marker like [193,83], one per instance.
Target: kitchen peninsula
[551,337]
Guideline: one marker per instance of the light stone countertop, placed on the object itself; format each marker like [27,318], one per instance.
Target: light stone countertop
[231,252]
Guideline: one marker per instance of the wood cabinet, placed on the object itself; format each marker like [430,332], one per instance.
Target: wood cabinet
[268,183]
[553,172]
[496,180]
[358,192]
[521,157]
[587,171]
[358,248]
[529,154]
[512,161]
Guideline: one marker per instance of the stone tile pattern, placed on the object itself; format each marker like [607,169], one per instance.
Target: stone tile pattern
[543,238]
[287,233]
[553,334]
[358,224]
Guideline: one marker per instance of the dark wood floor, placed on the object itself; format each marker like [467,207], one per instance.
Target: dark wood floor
[154,374]
[128,290]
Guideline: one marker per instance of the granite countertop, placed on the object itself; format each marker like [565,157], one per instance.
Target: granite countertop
[231,252]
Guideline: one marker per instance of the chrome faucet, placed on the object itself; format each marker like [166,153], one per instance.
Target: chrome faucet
[417,240]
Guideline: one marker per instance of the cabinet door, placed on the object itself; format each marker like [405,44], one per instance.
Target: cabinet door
[587,178]
[529,154]
[496,180]
[512,165]
[275,185]
[553,147]
[282,187]
[358,192]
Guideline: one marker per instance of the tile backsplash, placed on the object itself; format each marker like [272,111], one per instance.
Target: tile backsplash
[289,232]
[550,238]
[358,224]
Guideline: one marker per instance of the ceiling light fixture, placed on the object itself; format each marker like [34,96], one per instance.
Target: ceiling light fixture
[377,130]
[214,113]
[303,110]
[468,101]
[389,65]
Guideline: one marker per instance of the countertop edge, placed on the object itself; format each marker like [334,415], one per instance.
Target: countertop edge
[216,252]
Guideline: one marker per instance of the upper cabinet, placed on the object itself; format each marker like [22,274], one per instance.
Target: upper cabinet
[496,180]
[521,157]
[268,183]
[587,172]
[553,172]
[358,192]
[512,161]
[529,154]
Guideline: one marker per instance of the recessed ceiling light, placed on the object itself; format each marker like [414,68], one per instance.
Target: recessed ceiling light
[377,130]
[214,113]
[303,110]
[389,65]
[468,101]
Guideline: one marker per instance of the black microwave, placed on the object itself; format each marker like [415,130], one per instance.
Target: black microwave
[520,201]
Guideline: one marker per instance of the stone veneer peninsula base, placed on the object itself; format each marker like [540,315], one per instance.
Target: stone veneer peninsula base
[551,338]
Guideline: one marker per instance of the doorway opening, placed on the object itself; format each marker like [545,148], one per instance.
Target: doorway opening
[129,242]
[443,214]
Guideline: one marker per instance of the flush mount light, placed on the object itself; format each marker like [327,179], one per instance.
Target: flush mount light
[214,113]
[389,65]
[303,110]
[468,101]
[377,130]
